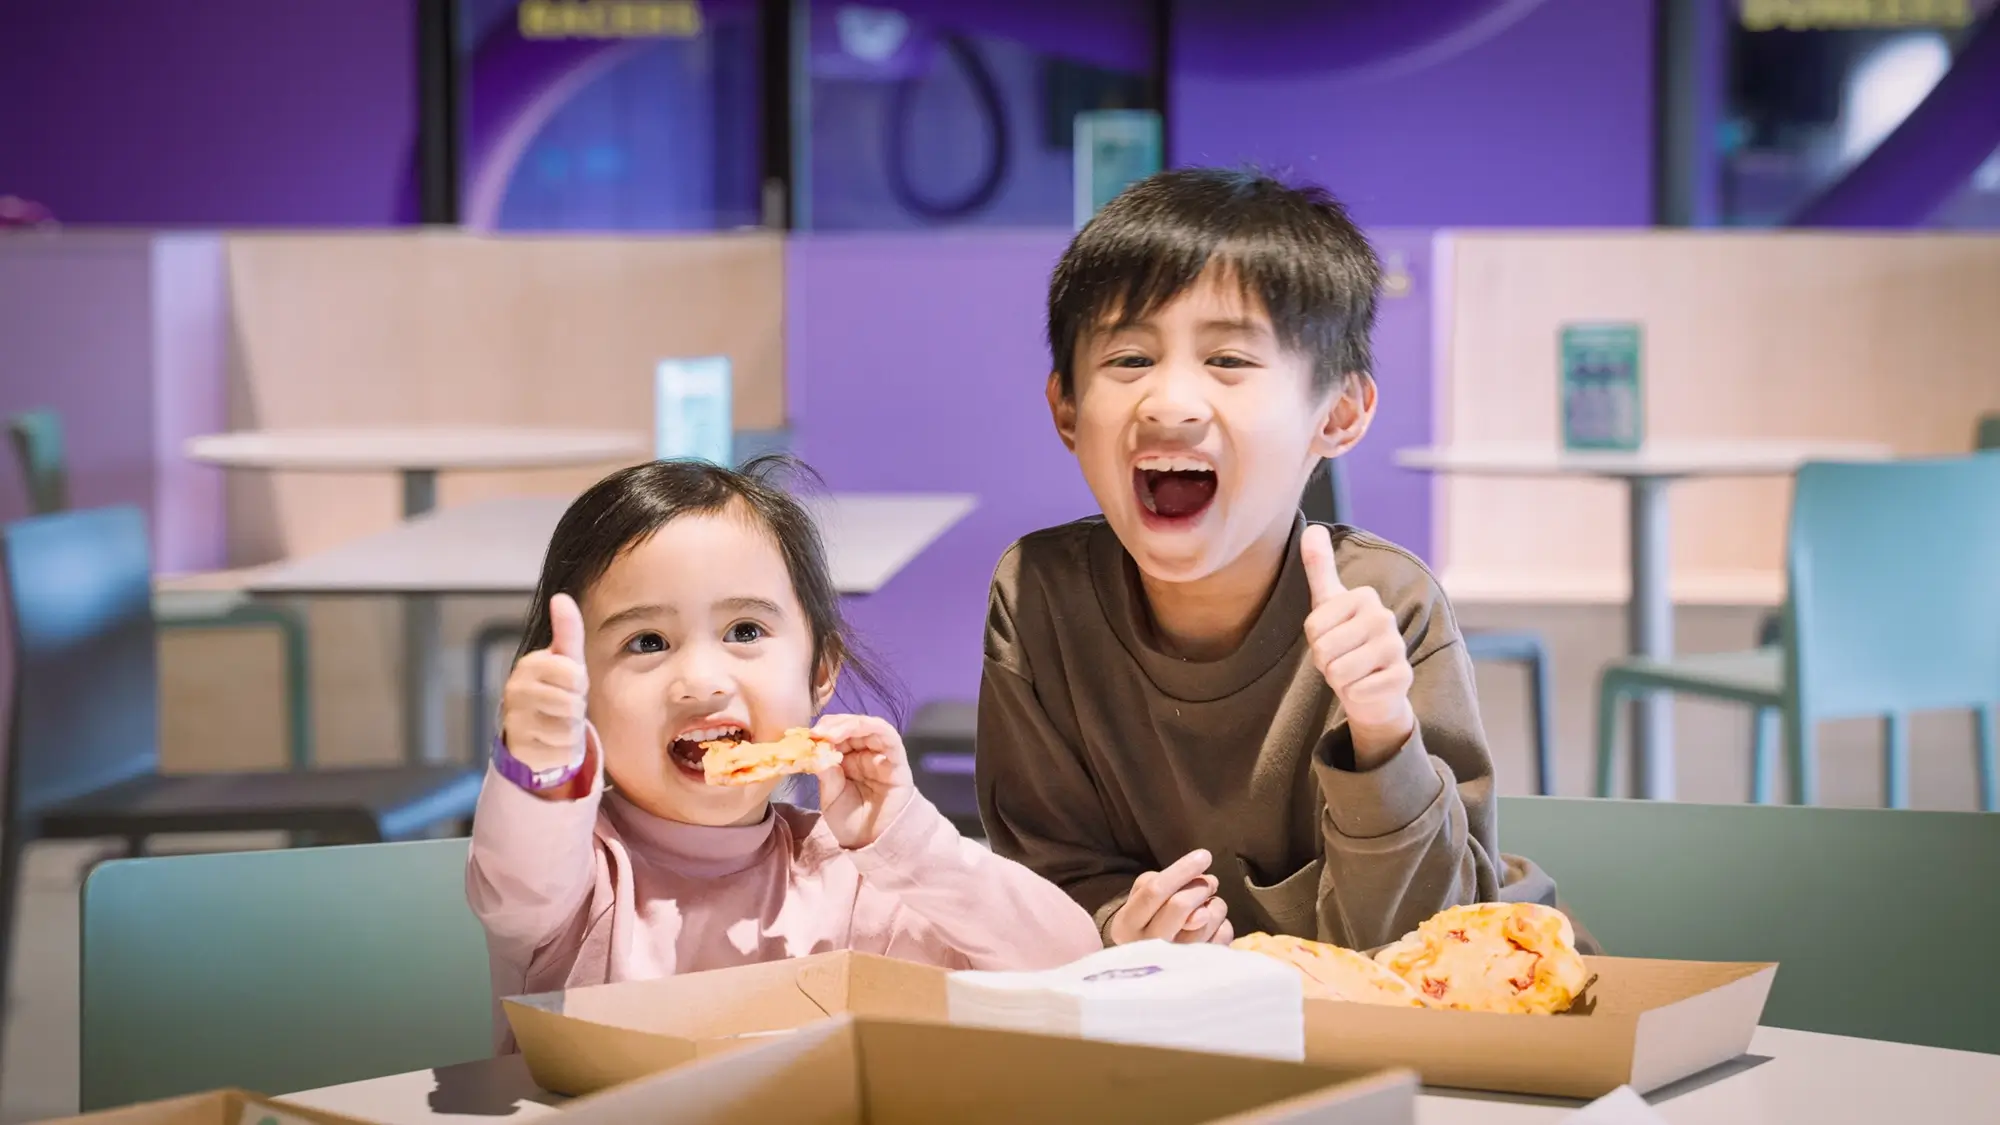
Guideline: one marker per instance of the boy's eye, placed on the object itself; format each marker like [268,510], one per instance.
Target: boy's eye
[646,643]
[745,633]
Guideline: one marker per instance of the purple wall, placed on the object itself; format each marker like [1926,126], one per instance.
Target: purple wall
[217,113]
[1546,123]
[916,363]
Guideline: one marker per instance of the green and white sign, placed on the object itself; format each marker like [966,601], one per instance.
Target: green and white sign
[691,404]
[1603,398]
[1113,149]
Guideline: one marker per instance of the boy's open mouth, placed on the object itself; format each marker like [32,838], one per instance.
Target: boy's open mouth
[1175,495]
[686,752]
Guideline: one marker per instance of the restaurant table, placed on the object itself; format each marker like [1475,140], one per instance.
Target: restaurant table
[1787,1078]
[1647,472]
[417,454]
[496,546]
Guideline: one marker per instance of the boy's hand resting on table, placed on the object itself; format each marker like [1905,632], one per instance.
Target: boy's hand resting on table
[1357,646]
[542,706]
[1177,904]
[873,783]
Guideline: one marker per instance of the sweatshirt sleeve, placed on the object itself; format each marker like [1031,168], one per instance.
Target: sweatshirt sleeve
[532,864]
[958,904]
[1415,834]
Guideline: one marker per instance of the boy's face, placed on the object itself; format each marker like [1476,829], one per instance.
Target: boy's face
[1196,430]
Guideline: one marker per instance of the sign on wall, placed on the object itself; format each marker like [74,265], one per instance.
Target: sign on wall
[609,19]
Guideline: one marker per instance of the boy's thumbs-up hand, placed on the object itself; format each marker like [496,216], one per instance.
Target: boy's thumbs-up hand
[542,708]
[1356,645]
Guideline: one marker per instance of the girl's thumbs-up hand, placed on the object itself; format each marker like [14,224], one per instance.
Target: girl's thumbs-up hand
[1356,645]
[542,708]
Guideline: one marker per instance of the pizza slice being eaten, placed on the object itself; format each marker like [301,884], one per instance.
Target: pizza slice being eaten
[1333,973]
[1518,957]
[730,762]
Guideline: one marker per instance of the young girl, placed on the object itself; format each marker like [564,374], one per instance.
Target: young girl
[682,602]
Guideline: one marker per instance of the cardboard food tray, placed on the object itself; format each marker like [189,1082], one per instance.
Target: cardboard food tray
[583,1040]
[217,1107]
[873,1072]
[1641,1023]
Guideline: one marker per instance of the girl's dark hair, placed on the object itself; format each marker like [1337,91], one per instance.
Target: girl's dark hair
[1293,248]
[627,507]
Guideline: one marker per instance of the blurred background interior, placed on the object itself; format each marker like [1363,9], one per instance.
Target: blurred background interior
[343,297]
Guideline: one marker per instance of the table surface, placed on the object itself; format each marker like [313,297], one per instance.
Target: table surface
[1788,1078]
[1739,458]
[415,448]
[496,547]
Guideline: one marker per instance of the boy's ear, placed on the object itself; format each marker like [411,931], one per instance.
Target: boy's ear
[823,690]
[1062,408]
[1347,416]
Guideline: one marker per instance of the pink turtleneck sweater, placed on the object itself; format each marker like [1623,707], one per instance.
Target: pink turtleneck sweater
[594,890]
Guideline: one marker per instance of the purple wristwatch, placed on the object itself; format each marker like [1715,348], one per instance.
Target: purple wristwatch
[525,776]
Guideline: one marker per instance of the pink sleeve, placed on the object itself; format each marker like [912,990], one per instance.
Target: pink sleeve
[532,862]
[961,905]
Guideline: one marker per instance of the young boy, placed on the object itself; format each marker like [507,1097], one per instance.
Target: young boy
[1200,715]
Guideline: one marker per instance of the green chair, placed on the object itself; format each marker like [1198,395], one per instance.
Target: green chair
[279,971]
[1891,606]
[39,448]
[1987,435]
[1858,906]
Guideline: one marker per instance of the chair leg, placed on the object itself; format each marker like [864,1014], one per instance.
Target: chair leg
[1896,760]
[1987,745]
[1542,690]
[1765,734]
[1609,700]
[11,847]
[298,689]
[1804,755]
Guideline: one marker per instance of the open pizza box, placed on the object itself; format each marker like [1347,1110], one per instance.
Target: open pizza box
[217,1107]
[1641,1023]
[875,1072]
[582,1040]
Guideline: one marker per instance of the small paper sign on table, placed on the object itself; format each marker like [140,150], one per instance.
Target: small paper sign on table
[1603,399]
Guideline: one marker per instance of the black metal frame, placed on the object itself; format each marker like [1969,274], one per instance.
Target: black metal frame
[783,113]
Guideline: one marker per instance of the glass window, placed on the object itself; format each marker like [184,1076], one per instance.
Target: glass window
[1813,88]
[959,112]
[610,114]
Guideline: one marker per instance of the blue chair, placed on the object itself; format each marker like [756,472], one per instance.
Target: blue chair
[1829,894]
[82,756]
[1892,606]
[39,448]
[280,970]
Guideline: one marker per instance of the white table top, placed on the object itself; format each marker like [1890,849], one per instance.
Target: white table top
[1746,458]
[1789,1078]
[415,448]
[496,547]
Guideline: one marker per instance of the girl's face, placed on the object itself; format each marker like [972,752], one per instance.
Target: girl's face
[696,633]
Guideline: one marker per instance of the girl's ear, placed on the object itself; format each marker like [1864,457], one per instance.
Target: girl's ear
[828,679]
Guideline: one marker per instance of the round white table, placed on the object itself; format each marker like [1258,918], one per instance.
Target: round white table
[1646,472]
[418,454]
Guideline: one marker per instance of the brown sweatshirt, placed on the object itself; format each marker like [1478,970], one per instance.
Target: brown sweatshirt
[1101,757]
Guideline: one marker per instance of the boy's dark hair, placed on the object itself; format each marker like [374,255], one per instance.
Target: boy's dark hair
[1294,248]
[627,507]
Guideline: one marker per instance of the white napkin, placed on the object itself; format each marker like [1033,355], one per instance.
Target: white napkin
[1622,1106]
[1196,997]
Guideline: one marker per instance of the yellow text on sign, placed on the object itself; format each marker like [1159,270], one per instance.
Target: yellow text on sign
[609,19]
[1817,15]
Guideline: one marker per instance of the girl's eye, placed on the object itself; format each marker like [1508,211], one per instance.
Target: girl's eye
[1130,361]
[646,643]
[1228,361]
[745,633]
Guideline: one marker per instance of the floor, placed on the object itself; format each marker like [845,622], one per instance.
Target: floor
[38,1068]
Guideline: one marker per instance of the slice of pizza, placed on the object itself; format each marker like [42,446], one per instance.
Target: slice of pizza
[1333,973]
[729,762]
[1515,957]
